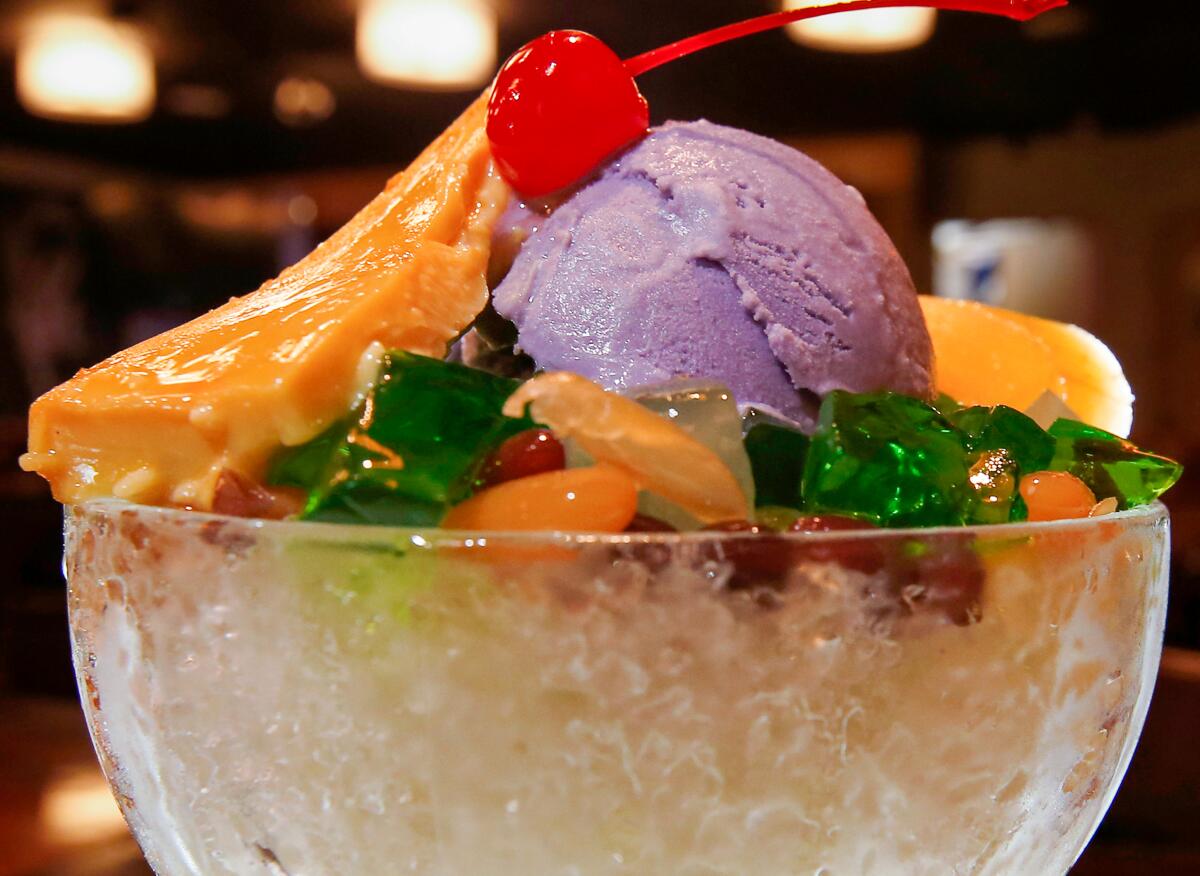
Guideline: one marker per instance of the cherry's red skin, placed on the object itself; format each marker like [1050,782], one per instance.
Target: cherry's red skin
[531,452]
[560,106]
[564,102]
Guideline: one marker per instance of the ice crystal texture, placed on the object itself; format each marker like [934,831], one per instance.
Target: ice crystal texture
[316,699]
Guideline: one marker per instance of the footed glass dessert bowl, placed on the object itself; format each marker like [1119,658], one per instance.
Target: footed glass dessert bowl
[306,698]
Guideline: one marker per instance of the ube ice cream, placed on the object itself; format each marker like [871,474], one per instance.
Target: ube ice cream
[708,251]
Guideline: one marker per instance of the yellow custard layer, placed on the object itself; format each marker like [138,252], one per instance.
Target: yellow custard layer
[158,422]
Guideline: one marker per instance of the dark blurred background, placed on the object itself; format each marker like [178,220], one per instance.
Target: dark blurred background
[1049,166]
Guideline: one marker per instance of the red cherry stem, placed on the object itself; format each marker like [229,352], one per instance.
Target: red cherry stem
[1021,10]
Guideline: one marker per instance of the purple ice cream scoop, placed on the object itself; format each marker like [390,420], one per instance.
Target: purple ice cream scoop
[707,251]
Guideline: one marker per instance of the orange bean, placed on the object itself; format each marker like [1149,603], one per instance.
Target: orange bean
[1056,495]
[600,498]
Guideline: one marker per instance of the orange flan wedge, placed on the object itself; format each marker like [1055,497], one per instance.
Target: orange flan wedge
[988,356]
[157,423]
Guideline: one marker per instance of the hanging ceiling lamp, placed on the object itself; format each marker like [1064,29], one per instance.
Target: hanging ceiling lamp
[864,30]
[430,44]
[84,68]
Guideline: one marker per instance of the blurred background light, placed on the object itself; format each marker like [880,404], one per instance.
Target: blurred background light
[112,199]
[77,808]
[301,101]
[302,210]
[80,68]
[864,30]
[431,44]
[198,101]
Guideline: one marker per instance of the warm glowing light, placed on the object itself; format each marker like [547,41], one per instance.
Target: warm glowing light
[427,43]
[112,199]
[84,69]
[863,30]
[198,101]
[300,101]
[79,808]
[301,210]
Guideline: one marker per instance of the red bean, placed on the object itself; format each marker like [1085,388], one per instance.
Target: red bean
[948,579]
[531,452]
[238,496]
[760,560]
[654,555]
[862,555]
[646,523]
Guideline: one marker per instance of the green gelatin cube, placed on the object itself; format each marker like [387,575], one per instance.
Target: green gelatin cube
[1003,444]
[887,458]
[994,478]
[1110,465]
[365,501]
[411,451]
[777,456]
[304,466]
[946,405]
[1004,428]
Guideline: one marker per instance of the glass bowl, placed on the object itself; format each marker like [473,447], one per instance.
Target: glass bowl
[304,698]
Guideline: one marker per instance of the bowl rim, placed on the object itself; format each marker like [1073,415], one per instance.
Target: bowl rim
[1152,514]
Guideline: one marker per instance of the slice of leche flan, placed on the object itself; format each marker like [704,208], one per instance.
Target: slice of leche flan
[158,423]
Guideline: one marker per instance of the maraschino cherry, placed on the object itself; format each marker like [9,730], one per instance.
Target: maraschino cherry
[564,102]
[560,105]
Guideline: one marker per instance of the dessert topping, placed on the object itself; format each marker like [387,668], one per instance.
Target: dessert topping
[1111,465]
[564,102]
[531,452]
[662,457]
[598,498]
[1056,495]
[560,105]
[430,434]
[413,449]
